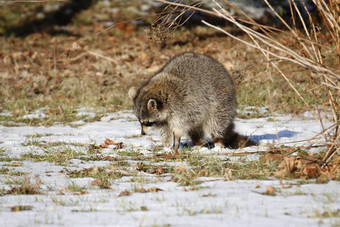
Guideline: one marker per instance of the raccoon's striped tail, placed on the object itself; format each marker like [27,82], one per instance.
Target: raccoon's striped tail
[236,140]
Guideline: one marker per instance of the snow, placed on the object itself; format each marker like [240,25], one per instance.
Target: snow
[216,202]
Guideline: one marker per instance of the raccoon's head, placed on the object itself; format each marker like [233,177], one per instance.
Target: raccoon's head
[149,111]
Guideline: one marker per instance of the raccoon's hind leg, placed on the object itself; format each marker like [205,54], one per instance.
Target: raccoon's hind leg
[197,136]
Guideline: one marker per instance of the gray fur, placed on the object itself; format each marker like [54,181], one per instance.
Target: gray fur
[192,94]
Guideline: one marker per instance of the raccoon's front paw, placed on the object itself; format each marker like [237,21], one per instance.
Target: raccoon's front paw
[219,145]
[166,143]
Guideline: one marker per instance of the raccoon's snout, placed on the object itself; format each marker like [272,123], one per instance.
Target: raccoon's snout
[144,130]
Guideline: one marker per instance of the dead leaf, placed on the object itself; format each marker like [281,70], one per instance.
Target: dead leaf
[311,170]
[143,190]
[156,170]
[270,190]
[111,142]
[21,208]
[270,158]
[16,163]
[331,172]
[151,139]
[103,146]
[81,193]
[125,193]
[101,183]
[289,165]
[154,189]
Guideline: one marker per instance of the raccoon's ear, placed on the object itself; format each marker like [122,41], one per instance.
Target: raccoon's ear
[132,93]
[152,105]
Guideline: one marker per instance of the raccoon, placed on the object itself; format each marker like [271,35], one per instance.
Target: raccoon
[192,94]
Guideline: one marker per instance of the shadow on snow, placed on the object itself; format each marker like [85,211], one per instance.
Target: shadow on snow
[281,134]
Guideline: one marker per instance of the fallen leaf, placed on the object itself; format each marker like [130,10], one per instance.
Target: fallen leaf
[143,190]
[21,208]
[289,165]
[155,189]
[156,170]
[102,183]
[269,158]
[17,163]
[111,142]
[270,190]
[80,193]
[151,139]
[125,193]
[311,170]
[103,146]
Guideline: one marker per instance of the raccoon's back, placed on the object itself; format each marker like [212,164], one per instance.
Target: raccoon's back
[198,69]
[202,77]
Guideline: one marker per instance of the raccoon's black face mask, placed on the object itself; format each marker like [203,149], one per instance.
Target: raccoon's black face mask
[149,111]
[151,114]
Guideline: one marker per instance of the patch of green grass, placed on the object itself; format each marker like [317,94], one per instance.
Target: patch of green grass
[216,167]
[47,145]
[186,177]
[31,142]
[60,157]
[11,172]
[305,181]
[39,135]
[206,210]
[251,170]
[102,175]
[299,192]
[277,94]
[61,114]
[73,187]
[9,159]
[130,153]
[62,201]
[2,150]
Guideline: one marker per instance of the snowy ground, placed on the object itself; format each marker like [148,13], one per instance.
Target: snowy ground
[215,202]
